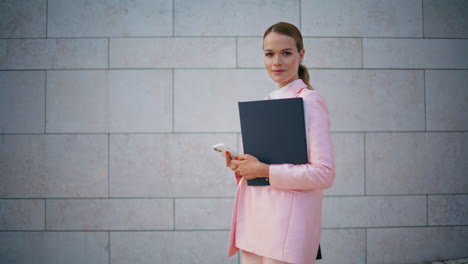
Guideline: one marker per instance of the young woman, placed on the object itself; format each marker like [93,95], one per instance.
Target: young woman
[281,222]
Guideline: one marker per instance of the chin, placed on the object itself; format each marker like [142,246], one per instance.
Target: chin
[279,81]
[276,78]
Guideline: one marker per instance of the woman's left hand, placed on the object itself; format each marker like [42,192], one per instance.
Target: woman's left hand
[249,167]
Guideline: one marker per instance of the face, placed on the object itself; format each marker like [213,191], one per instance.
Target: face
[281,58]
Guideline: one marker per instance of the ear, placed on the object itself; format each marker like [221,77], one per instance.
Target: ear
[301,54]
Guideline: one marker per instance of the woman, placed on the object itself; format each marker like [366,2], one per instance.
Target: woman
[281,222]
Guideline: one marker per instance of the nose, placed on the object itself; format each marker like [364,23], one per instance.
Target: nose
[276,61]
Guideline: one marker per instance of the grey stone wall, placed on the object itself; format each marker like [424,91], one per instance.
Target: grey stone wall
[109,109]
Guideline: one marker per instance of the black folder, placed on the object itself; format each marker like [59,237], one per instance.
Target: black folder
[274,132]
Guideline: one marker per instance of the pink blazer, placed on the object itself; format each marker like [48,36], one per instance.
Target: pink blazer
[283,221]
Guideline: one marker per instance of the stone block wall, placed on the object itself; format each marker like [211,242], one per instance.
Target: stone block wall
[109,109]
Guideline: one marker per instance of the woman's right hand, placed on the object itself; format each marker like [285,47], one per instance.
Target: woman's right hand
[232,166]
[229,164]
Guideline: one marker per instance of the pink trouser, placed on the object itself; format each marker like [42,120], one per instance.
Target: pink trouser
[251,258]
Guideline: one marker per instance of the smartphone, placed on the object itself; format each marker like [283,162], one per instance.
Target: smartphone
[221,149]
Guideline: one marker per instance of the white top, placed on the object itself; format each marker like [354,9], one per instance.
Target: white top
[276,94]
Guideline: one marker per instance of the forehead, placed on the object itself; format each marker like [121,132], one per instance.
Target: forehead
[274,41]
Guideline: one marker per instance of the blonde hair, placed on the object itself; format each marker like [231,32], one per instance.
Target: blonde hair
[292,31]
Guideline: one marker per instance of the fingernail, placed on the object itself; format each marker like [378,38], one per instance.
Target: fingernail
[227,152]
[237,158]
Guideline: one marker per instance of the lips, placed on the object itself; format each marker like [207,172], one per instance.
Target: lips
[278,71]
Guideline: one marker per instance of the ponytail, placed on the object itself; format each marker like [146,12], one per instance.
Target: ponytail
[304,75]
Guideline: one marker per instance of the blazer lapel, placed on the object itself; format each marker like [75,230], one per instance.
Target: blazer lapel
[296,87]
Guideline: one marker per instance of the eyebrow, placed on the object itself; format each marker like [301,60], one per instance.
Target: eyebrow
[281,50]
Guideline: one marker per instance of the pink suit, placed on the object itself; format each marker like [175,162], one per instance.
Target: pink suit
[283,221]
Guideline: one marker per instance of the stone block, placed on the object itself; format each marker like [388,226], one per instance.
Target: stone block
[349,164]
[448,209]
[446,100]
[157,166]
[56,54]
[110,214]
[366,18]
[22,215]
[250,52]
[320,52]
[416,163]
[372,100]
[33,166]
[22,101]
[54,247]
[82,18]
[203,213]
[374,211]
[178,247]
[231,18]
[23,19]
[172,53]
[416,53]
[333,52]
[416,245]
[109,101]
[445,19]
[215,96]
[343,246]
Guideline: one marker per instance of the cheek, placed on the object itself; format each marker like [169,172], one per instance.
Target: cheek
[294,63]
[293,60]
[266,62]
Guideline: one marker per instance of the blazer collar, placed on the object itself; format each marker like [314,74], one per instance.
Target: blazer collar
[295,88]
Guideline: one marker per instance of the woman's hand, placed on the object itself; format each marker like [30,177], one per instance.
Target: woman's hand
[229,164]
[249,167]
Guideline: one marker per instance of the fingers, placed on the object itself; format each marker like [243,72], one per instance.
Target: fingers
[228,159]
[230,163]
[242,157]
[237,163]
[246,157]
[241,160]
[234,165]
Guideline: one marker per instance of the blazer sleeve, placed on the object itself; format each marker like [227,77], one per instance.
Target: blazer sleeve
[319,173]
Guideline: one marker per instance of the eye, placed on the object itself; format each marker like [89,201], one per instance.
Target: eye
[268,54]
[286,53]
